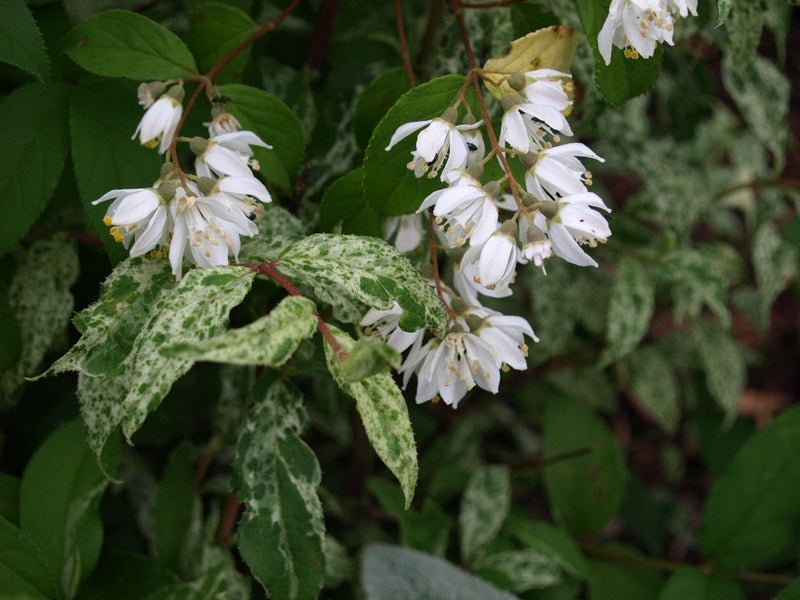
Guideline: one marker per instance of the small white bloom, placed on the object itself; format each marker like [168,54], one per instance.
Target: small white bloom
[148,92]
[547,87]
[227,154]
[573,224]
[526,126]
[386,323]
[409,231]
[683,7]
[491,268]
[470,211]
[505,335]
[158,124]
[536,247]
[476,146]
[222,122]
[206,229]
[451,367]
[636,27]
[136,214]
[439,139]
[558,171]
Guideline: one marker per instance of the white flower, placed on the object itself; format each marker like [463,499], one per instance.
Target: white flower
[468,208]
[386,323]
[409,231]
[476,146]
[226,154]
[526,124]
[159,122]
[222,122]
[491,268]
[148,92]
[505,335]
[206,229]
[573,223]
[535,245]
[441,138]
[451,367]
[636,24]
[683,7]
[558,172]
[546,86]
[139,214]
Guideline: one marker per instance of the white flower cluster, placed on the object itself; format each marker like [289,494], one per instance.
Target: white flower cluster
[197,217]
[488,233]
[638,26]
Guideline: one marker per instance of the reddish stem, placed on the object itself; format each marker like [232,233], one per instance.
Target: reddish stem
[401,36]
[227,522]
[270,271]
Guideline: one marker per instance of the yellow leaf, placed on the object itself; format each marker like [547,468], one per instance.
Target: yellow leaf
[548,48]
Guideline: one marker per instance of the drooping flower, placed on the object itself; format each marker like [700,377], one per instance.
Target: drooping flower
[536,247]
[159,122]
[637,27]
[222,122]
[138,214]
[683,7]
[469,209]
[439,139]
[505,335]
[526,126]
[557,171]
[147,93]
[547,87]
[491,268]
[386,324]
[408,228]
[226,154]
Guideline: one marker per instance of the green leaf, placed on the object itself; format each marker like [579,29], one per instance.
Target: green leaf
[344,203]
[121,43]
[338,566]
[176,503]
[790,592]
[519,570]
[775,262]
[194,310]
[221,581]
[111,324]
[652,382]
[353,273]
[269,341]
[624,78]
[277,230]
[384,414]
[484,507]
[723,363]
[33,135]
[549,541]
[691,584]
[396,573]
[59,502]
[370,356]
[761,93]
[276,475]
[751,518]
[376,99]
[390,187]
[584,491]
[125,575]
[21,42]
[612,581]
[530,16]
[273,122]
[10,339]
[630,310]
[9,498]
[103,116]
[215,29]
[42,304]
[723,10]
[24,572]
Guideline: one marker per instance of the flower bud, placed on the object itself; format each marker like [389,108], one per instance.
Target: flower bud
[198,145]
[450,115]
[475,170]
[469,119]
[509,228]
[517,81]
[508,103]
[166,190]
[166,170]
[206,185]
[528,199]
[548,209]
[458,305]
[176,92]
[492,189]
[149,92]
[474,322]
[529,159]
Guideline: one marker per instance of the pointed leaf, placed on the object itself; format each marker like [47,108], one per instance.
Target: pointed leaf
[484,507]
[21,42]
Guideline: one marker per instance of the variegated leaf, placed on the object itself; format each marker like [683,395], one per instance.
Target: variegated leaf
[484,507]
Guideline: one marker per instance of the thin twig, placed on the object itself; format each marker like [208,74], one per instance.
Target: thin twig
[473,66]
[227,522]
[759,184]
[401,36]
[270,271]
[322,34]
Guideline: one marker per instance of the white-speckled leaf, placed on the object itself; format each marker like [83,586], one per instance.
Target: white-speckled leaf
[277,230]
[484,507]
[397,573]
[111,324]
[41,301]
[270,340]
[338,566]
[222,581]
[282,532]
[384,414]
[775,262]
[630,310]
[723,363]
[519,570]
[353,273]
[652,381]
[195,310]
[761,93]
